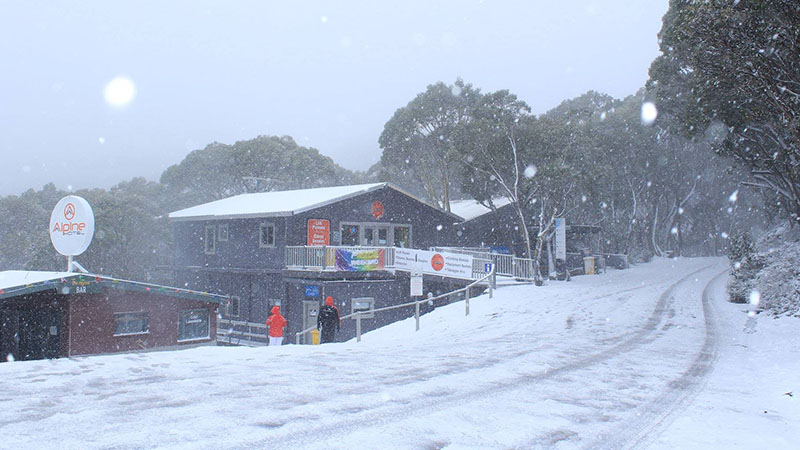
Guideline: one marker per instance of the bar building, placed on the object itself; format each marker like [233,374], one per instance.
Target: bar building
[56,314]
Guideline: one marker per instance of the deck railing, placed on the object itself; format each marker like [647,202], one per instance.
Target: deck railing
[237,332]
[324,257]
[505,265]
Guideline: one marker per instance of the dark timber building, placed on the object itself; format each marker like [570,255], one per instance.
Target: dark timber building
[294,248]
[53,314]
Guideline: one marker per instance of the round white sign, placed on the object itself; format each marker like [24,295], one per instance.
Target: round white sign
[72,225]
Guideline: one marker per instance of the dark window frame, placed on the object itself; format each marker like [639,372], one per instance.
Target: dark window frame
[223,237]
[261,227]
[234,300]
[210,244]
[182,326]
[128,318]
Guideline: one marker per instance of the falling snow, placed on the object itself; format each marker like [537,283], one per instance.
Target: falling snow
[649,113]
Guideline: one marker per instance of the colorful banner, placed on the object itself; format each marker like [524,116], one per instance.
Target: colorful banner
[360,260]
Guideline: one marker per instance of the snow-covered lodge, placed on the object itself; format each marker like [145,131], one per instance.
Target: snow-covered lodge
[295,248]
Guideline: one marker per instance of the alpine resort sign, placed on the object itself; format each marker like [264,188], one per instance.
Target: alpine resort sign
[71,225]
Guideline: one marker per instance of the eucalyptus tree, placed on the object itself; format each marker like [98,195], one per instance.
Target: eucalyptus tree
[418,142]
[265,163]
[507,152]
[733,69]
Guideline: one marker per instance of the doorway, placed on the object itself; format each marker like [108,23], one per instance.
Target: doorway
[29,334]
[376,236]
[310,313]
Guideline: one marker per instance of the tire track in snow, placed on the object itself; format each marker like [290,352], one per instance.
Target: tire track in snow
[657,414]
[425,405]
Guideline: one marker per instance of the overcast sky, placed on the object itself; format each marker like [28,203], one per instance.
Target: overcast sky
[328,74]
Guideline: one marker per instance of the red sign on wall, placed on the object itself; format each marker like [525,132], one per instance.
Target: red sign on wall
[437,262]
[377,209]
[319,232]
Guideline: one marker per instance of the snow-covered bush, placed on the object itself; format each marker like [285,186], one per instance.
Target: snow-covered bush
[745,264]
[772,268]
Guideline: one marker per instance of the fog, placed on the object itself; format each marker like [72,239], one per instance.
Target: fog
[328,75]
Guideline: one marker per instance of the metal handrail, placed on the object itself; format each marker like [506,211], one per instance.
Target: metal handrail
[231,331]
[490,277]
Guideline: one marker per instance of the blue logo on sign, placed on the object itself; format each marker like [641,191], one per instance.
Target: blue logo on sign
[312,291]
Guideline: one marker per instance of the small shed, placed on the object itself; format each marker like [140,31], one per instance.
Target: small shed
[56,314]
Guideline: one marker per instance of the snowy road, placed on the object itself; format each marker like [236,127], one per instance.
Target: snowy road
[607,361]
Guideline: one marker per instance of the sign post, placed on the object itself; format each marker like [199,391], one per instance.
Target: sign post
[561,238]
[416,284]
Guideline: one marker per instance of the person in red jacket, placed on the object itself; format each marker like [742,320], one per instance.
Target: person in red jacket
[275,325]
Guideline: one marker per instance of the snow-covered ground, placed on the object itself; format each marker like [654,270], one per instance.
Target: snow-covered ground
[651,356]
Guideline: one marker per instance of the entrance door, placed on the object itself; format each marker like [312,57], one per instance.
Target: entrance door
[376,236]
[310,313]
[39,333]
[9,334]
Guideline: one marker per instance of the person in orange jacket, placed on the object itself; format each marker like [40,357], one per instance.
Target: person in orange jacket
[328,321]
[275,324]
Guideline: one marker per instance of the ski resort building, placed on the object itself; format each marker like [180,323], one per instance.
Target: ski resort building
[295,248]
[54,314]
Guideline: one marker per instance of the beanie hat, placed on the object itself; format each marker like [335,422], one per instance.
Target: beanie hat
[329,301]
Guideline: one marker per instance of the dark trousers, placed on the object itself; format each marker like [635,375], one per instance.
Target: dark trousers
[327,334]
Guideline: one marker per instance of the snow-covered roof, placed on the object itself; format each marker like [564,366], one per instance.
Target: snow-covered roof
[20,282]
[280,203]
[272,204]
[471,209]
[14,278]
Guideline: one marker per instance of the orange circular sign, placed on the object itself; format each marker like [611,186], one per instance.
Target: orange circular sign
[377,209]
[437,262]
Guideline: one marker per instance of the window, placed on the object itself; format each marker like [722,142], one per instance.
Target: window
[402,237]
[232,309]
[350,234]
[376,235]
[266,235]
[209,242]
[130,323]
[193,324]
[223,233]
[373,234]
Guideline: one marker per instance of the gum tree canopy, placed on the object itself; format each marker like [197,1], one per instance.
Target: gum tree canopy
[731,70]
